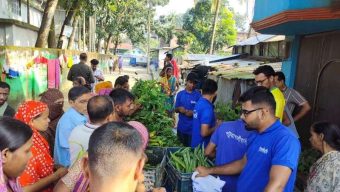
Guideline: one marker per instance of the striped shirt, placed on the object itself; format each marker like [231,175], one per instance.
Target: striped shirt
[293,99]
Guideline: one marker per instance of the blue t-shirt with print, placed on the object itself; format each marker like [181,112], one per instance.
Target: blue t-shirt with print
[231,140]
[203,114]
[188,101]
[277,145]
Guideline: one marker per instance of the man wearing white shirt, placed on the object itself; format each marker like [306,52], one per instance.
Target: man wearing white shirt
[97,73]
[100,111]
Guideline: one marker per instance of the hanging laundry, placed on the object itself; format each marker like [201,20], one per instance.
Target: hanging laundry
[51,71]
[69,62]
[57,73]
[30,64]
[76,59]
[13,73]
[40,59]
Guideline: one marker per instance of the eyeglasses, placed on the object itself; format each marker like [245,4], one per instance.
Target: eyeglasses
[247,112]
[261,81]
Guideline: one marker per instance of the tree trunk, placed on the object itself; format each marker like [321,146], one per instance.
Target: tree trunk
[214,28]
[51,36]
[99,48]
[108,43]
[116,46]
[68,20]
[73,34]
[46,21]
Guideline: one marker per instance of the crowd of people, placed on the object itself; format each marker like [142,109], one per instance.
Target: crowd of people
[90,147]
[261,150]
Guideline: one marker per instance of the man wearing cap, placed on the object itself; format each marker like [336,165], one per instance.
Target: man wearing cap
[185,104]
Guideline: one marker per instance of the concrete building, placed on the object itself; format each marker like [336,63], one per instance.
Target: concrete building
[312,30]
[14,27]
[16,30]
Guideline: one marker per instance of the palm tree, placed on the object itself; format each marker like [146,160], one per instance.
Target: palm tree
[215,5]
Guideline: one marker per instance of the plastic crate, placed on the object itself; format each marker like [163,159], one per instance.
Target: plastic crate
[155,155]
[175,180]
[155,175]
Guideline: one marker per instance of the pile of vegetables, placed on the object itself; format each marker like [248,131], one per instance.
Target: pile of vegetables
[186,160]
[226,112]
[153,113]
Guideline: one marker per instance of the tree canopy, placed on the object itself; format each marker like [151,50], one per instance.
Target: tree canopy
[198,24]
[128,19]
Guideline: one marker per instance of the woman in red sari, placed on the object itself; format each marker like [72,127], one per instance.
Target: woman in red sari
[38,175]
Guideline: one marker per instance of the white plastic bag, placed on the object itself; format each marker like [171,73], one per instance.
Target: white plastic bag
[206,184]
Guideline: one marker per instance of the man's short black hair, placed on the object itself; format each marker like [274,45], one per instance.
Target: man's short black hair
[267,70]
[209,87]
[83,56]
[280,76]
[192,77]
[4,85]
[120,96]
[99,108]
[76,92]
[94,62]
[259,95]
[126,77]
[121,80]
[110,145]
[169,55]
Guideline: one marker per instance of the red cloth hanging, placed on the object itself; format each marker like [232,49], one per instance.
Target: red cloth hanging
[40,59]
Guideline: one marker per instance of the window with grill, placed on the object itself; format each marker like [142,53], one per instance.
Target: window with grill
[15,6]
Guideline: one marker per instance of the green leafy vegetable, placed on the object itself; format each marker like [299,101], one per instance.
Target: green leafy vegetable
[186,160]
[225,111]
[153,113]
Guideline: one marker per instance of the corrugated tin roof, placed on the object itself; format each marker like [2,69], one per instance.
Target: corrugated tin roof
[202,57]
[260,38]
[243,70]
[276,38]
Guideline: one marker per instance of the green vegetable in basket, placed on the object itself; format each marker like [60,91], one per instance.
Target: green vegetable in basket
[186,160]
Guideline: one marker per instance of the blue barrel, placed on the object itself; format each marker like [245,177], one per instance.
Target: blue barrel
[133,61]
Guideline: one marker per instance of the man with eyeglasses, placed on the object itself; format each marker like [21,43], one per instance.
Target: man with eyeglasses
[271,159]
[5,109]
[264,76]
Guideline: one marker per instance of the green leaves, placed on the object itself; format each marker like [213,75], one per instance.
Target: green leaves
[307,158]
[225,112]
[198,25]
[153,113]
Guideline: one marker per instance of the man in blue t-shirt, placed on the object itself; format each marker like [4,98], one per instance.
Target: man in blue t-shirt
[229,143]
[204,121]
[76,115]
[185,103]
[271,160]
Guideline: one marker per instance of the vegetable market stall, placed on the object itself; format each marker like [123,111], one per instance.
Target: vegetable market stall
[172,169]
